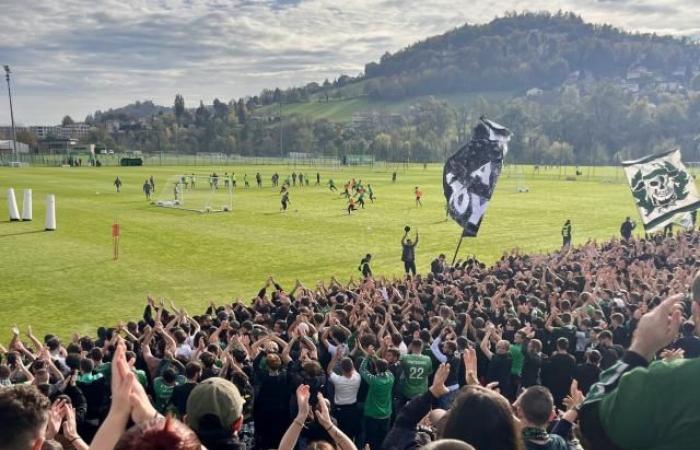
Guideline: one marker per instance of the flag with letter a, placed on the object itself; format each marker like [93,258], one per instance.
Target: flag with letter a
[663,190]
[471,174]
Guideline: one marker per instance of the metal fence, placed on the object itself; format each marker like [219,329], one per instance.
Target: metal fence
[165,159]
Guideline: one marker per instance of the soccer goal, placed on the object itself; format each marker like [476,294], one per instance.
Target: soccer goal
[203,193]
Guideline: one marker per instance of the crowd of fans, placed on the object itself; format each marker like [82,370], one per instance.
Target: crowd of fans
[591,347]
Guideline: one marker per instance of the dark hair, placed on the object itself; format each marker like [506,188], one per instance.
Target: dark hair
[24,412]
[562,343]
[482,418]
[536,404]
[381,365]
[605,334]
[346,365]
[169,375]
[192,368]
[96,354]
[53,343]
[87,365]
[159,434]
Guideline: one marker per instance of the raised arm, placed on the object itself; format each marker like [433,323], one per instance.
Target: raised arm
[435,348]
[485,343]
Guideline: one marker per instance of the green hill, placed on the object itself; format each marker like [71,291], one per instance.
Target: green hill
[342,110]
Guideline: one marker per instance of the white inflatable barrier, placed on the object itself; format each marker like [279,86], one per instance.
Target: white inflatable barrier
[12,205]
[27,205]
[50,213]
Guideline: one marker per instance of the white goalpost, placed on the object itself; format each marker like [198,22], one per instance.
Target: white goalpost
[203,193]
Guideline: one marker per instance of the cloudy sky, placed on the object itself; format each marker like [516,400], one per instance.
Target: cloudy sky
[76,56]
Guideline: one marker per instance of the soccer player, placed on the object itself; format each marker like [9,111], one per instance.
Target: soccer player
[176,191]
[370,192]
[118,184]
[285,198]
[245,181]
[193,181]
[331,185]
[566,233]
[233,179]
[408,253]
[258,180]
[346,190]
[318,179]
[147,189]
[351,205]
[393,177]
[361,197]
[153,183]
[301,179]
[294,178]
[419,196]
[227,180]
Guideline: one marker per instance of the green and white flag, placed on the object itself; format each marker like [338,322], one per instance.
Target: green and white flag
[663,190]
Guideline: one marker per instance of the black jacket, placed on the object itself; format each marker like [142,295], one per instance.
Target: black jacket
[404,435]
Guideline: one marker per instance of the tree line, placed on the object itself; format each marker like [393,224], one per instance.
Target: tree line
[599,124]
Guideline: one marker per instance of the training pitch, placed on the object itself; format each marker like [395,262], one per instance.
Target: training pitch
[66,280]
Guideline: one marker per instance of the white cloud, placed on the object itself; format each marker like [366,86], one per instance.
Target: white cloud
[76,56]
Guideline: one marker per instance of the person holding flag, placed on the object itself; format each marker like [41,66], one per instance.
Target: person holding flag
[408,252]
[470,176]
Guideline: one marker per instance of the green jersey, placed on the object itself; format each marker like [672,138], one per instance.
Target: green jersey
[378,401]
[518,359]
[416,369]
[164,391]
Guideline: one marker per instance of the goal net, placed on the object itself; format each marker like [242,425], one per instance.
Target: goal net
[204,193]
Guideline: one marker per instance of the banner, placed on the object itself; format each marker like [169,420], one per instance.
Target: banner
[663,190]
[471,174]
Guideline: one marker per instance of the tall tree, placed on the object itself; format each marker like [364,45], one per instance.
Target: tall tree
[179,108]
[67,120]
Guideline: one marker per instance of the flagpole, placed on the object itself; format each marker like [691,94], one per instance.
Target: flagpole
[459,244]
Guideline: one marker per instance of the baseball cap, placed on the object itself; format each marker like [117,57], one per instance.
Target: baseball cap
[214,396]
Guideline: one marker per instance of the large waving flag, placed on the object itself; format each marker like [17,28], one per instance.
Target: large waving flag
[663,190]
[471,174]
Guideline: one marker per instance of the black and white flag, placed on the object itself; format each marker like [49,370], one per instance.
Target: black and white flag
[663,190]
[471,174]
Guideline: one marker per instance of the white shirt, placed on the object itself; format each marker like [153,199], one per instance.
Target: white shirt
[346,388]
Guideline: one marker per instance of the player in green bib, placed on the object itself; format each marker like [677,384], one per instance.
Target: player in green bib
[416,368]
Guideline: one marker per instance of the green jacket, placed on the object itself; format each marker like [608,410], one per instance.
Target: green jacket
[378,401]
[643,406]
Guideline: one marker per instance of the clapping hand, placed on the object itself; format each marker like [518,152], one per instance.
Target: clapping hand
[438,388]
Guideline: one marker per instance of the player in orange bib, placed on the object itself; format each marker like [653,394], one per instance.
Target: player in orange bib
[419,196]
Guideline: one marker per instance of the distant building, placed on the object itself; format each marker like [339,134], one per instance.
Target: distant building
[6,147]
[78,130]
[46,131]
[57,145]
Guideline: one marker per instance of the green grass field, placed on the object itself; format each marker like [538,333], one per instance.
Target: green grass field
[66,280]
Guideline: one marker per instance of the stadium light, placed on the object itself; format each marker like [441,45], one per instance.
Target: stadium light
[12,115]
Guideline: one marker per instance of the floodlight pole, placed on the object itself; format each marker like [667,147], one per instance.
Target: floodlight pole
[12,114]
